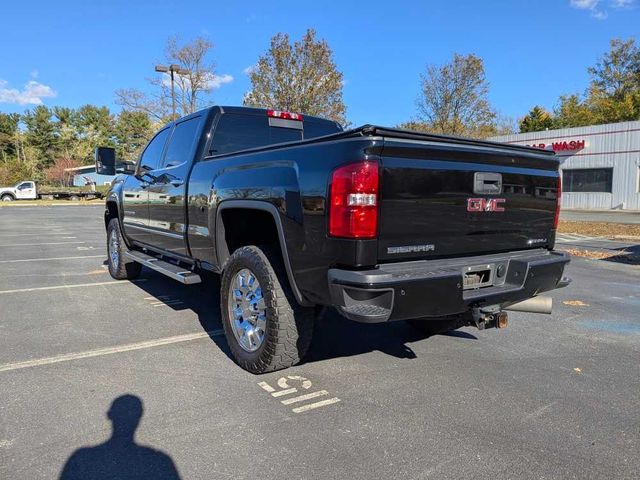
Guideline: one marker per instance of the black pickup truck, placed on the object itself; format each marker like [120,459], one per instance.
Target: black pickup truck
[295,214]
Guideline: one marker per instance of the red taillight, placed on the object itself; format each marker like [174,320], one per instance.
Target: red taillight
[353,211]
[285,115]
[556,217]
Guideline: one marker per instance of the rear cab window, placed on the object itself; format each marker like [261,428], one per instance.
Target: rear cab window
[236,131]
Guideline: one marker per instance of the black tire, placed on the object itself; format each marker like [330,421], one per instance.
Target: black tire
[435,326]
[7,198]
[120,267]
[289,327]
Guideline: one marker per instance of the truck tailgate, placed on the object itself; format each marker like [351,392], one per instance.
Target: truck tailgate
[439,199]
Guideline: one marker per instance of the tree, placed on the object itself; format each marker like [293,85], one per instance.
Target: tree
[13,171]
[572,111]
[65,127]
[40,144]
[58,174]
[617,72]
[9,136]
[415,126]
[611,109]
[536,120]
[132,132]
[453,98]
[95,128]
[302,77]
[191,89]
[200,77]
[40,134]
[613,94]
[154,105]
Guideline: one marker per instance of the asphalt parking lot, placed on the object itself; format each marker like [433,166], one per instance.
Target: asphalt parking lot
[550,397]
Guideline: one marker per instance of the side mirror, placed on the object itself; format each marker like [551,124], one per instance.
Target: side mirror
[105,161]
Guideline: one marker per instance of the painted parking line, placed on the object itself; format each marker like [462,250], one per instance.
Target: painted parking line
[172,303]
[38,244]
[77,285]
[572,237]
[39,234]
[281,393]
[20,260]
[98,271]
[67,357]
[164,301]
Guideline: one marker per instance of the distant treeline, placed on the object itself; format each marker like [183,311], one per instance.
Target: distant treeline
[40,143]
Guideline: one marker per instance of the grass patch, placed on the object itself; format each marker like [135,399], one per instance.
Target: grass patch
[628,257]
[599,229]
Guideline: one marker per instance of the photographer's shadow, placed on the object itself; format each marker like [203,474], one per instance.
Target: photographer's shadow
[120,457]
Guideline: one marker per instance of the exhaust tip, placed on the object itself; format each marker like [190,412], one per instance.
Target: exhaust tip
[533,305]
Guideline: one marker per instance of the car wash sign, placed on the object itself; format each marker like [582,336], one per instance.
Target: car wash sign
[562,146]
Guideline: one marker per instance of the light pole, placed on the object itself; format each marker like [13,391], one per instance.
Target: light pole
[172,69]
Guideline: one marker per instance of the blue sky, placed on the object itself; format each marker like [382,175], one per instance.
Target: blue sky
[75,52]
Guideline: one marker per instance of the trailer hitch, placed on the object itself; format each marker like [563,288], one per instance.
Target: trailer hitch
[489,317]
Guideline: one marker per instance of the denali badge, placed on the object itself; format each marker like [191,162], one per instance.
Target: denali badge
[485,204]
[531,241]
[411,249]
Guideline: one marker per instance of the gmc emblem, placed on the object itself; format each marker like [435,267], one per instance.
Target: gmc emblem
[485,204]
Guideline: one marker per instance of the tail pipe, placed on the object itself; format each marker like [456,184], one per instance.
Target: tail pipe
[533,305]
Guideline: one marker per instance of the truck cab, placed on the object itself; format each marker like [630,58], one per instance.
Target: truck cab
[25,190]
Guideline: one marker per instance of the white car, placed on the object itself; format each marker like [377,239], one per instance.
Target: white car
[22,191]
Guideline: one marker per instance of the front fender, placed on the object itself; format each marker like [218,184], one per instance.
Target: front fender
[113,205]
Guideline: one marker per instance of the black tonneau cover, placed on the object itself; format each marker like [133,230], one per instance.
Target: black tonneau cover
[400,134]
[373,130]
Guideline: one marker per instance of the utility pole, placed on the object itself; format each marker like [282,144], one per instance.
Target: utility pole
[172,70]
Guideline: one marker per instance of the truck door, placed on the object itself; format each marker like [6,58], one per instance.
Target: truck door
[167,191]
[26,191]
[135,199]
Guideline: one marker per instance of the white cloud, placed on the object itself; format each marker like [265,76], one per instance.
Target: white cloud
[216,81]
[250,69]
[622,3]
[585,4]
[598,13]
[592,6]
[32,93]
[211,82]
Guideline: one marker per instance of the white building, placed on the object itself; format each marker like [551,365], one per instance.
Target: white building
[600,164]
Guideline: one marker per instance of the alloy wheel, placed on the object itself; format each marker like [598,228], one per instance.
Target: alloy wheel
[247,310]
